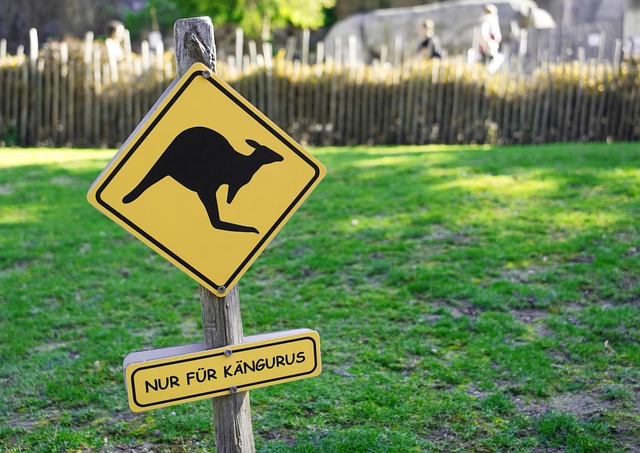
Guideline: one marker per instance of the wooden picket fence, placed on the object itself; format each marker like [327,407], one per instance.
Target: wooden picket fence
[63,95]
[77,95]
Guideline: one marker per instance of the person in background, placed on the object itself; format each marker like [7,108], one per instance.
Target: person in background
[115,38]
[430,46]
[490,36]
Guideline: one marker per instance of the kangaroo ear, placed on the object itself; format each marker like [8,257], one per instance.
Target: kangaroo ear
[252,143]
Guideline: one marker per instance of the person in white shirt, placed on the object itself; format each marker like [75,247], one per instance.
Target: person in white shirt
[490,36]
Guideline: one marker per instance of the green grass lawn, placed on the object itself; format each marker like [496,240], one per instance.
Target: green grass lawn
[467,299]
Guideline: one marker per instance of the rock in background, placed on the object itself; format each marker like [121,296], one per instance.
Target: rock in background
[455,22]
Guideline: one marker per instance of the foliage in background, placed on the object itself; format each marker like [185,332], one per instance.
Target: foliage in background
[467,299]
[255,17]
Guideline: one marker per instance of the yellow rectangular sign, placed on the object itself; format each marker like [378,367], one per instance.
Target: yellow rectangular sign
[165,377]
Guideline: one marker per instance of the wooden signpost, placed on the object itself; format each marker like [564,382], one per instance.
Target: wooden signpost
[207,180]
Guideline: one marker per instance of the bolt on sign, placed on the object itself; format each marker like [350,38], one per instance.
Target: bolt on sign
[181,374]
[206,180]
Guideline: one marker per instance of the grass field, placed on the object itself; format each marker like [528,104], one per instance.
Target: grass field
[467,299]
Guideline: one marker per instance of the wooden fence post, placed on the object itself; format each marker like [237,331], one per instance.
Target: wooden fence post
[221,317]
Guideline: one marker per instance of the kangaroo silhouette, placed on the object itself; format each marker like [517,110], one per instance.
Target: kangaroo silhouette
[202,160]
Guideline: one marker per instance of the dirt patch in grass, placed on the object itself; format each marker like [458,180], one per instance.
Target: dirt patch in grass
[280,435]
[580,404]
[439,233]
[17,266]
[522,274]
[143,448]
[46,347]
[534,318]
[457,309]
[530,315]
[588,406]
[26,422]
[185,446]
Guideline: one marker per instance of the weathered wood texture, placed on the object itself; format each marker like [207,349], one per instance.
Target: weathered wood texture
[61,95]
[221,316]
[222,326]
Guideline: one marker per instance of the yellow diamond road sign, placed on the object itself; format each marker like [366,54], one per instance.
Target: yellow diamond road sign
[206,180]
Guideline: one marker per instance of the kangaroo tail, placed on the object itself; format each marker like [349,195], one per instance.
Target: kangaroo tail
[134,194]
[152,177]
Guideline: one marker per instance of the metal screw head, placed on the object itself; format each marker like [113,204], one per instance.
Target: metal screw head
[206,73]
[233,389]
[222,289]
[228,352]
